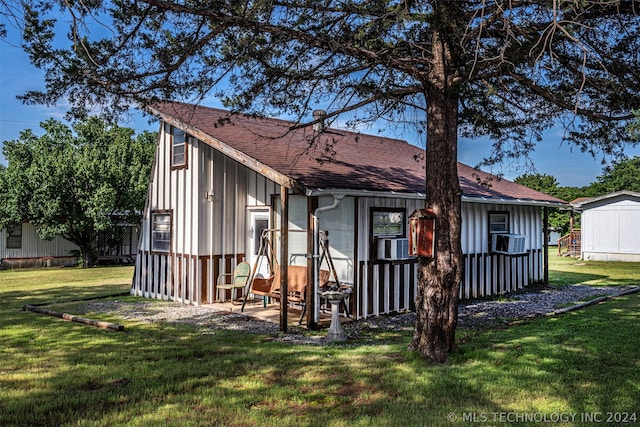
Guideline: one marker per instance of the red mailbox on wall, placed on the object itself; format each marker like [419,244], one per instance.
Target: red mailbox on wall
[422,229]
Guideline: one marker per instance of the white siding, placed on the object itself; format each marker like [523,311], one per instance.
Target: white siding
[386,287]
[34,247]
[339,223]
[526,220]
[208,237]
[610,230]
[377,293]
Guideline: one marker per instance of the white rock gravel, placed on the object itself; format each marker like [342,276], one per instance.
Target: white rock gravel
[472,314]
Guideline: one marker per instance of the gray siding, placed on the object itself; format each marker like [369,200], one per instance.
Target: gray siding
[34,249]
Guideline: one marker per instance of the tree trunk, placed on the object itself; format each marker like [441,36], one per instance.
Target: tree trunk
[89,256]
[439,277]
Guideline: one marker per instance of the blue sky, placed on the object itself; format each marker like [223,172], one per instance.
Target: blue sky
[17,75]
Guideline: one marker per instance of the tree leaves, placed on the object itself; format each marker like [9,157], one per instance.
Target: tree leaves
[72,182]
[521,66]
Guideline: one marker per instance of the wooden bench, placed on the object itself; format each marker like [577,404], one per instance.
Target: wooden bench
[296,285]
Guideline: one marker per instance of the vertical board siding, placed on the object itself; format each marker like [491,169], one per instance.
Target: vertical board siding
[390,286]
[387,287]
[180,277]
[35,252]
[208,238]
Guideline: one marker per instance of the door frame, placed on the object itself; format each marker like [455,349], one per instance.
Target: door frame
[255,213]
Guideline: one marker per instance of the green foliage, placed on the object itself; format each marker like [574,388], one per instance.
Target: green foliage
[516,69]
[76,182]
[634,127]
[621,175]
[506,70]
[540,182]
[559,220]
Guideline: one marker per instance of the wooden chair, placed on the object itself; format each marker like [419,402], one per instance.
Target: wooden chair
[234,281]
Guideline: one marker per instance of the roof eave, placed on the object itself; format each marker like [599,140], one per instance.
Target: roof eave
[421,196]
[232,153]
[579,207]
[510,201]
[363,193]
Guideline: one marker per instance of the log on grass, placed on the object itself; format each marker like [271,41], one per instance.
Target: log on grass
[71,317]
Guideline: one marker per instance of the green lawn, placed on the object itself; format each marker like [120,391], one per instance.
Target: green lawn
[56,373]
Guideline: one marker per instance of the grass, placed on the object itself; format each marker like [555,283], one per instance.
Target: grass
[567,270]
[61,373]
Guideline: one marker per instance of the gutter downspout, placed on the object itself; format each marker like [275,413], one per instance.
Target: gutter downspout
[337,198]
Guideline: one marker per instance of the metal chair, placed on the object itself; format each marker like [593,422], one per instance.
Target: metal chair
[234,281]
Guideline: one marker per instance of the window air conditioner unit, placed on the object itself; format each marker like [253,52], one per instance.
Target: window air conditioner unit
[510,244]
[393,249]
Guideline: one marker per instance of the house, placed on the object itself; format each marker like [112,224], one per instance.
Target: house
[609,227]
[21,247]
[219,178]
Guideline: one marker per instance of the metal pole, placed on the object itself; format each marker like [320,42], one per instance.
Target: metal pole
[545,227]
[284,257]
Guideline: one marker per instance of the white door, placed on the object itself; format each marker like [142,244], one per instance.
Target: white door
[258,222]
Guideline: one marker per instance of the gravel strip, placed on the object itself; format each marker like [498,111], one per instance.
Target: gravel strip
[475,314]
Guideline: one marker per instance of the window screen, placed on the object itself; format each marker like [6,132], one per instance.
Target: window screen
[161,232]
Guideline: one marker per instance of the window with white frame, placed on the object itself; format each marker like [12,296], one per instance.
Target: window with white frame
[14,236]
[178,148]
[161,232]
[388,222]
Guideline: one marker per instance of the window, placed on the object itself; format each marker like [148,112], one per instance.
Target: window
[178,148]
[14,236]
[498,222]
[161,232]
[388,222]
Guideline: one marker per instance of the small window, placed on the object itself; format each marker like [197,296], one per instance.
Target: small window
[498,222]
[161,232]
[178,148]
[388,222]
[14,236]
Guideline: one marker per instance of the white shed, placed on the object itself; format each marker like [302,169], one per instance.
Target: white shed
[610,227]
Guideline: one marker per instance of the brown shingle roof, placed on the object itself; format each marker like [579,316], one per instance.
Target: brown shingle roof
[339,160]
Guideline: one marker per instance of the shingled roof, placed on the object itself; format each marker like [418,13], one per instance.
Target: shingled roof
[339,160]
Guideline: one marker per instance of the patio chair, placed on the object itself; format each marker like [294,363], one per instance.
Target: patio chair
[234,281]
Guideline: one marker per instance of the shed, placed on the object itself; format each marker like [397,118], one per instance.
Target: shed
[609,227]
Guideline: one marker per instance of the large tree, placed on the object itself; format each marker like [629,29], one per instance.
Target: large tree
[622,174]
[506,69]
[76,182]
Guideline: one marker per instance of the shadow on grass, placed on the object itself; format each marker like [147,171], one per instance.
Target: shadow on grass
[580,362]
[60,294]
[563,278]
[162,374]
[63,373]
